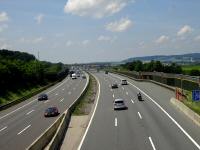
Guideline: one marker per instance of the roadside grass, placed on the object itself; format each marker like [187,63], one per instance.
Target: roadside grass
[188,68]
[195,106]
[84,106]
[11,96]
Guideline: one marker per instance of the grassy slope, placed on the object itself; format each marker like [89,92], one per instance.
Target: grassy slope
[195,106]
[187,69]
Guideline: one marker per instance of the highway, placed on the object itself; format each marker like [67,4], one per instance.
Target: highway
[152,124]
[22,124]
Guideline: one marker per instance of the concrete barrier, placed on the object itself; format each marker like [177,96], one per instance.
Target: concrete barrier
[146,80]
[187,111]
[51,139]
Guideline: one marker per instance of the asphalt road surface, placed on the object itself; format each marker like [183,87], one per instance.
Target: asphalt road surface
[152,124]
[21,124]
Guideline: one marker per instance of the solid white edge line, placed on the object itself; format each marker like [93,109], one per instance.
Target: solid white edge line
[115,122]
[29,112]
[113,95]
[166,113]
[139,115]
[3,129]
[31,101]
[82,140]
[23,130]
[152,144]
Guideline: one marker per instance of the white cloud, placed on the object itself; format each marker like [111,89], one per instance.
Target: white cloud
[119,26]
[162,39]
[3,17]
[95,8]
[184,30]
[85,42]
[197,38]
[3,27]
[106,38]
[39,18]
[69,43]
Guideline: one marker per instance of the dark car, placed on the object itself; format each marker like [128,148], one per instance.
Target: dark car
[51,112]
[42,97]
[114,86]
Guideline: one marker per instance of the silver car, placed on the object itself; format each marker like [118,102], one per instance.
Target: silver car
[119,104]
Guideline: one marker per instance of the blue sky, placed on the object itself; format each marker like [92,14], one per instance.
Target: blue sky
[79,31]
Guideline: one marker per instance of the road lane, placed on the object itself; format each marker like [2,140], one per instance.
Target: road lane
[142,126]
[11,138]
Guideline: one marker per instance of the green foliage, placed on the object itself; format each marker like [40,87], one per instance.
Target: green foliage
[195,72]
[152,66]
[22,70]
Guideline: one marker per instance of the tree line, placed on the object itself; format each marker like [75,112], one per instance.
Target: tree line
[152,66]
[21,70]
[158,67]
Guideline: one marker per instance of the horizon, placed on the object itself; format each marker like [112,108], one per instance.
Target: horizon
[100,31]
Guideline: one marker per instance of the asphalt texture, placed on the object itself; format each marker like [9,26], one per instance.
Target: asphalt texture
[152,124]
[22,124]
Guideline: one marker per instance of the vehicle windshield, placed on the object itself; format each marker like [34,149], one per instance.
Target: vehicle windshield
[119,102]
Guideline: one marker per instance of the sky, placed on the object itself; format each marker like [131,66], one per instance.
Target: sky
[81,31]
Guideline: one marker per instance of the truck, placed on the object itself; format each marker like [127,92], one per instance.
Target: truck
[74,76]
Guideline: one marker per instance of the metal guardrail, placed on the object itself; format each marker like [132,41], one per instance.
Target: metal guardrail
[168,75]
[176,80]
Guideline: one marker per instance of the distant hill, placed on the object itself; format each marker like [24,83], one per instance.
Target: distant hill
[191,57]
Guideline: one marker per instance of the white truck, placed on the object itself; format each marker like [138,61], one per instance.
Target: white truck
[74,76]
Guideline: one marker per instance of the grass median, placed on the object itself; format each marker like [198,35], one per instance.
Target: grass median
[85,104]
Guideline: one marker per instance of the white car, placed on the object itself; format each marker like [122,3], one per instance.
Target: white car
[119,104]
[124,82]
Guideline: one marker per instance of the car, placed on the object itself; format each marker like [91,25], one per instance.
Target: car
[114,86]
[51,112]
[83,77]
[124,82]
[42,97]
[119,104]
